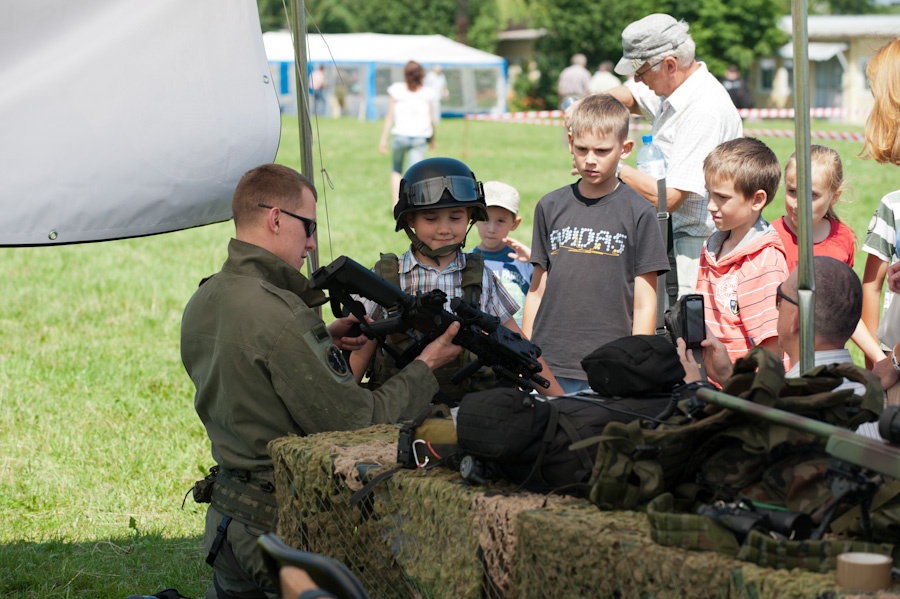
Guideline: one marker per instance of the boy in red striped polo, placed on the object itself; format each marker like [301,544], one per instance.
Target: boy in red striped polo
[743,262]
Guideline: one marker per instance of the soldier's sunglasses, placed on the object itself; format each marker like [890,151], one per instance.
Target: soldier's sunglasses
[309,225]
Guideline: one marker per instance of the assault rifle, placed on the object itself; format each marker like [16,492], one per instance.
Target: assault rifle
[508,354]
[851,452]
[743,516]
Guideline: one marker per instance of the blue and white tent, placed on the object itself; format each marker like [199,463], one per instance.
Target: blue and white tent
[359,68]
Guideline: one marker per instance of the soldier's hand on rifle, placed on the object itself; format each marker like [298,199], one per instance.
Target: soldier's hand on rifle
[340,328]
[442,350]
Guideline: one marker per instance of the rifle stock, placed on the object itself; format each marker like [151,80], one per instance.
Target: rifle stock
[509,355]
[352,278]
[841,443]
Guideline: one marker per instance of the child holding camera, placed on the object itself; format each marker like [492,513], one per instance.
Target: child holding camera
[742,264]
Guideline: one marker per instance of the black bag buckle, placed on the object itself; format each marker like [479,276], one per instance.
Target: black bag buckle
[405,454]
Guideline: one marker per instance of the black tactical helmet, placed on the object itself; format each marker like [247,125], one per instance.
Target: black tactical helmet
[439,182]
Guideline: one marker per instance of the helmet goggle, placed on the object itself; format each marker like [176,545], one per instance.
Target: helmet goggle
[430,191]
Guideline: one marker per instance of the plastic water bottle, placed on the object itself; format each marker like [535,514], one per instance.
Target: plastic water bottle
[650,159]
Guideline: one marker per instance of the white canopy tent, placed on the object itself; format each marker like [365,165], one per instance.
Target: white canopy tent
[819,51]
[360,66]
[123,119]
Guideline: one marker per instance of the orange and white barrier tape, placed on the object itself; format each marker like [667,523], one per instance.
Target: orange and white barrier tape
[831,135]
[546,117]
[788,113]
[531,116]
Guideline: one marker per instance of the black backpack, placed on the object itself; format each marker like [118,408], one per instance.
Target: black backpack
[526,439]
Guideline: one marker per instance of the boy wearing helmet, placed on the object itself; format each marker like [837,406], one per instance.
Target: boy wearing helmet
[596,250]
[439,201]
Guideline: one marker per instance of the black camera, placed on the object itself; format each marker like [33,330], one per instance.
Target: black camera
[686,320]
[693,320]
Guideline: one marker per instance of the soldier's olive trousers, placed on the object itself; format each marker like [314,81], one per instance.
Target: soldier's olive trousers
[242,539]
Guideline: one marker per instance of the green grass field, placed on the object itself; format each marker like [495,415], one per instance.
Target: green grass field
[99,441]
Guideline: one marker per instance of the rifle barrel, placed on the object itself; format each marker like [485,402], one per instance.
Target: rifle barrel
[808,425]
[841,443]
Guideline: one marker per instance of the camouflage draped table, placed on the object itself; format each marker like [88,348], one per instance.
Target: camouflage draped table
[428,534]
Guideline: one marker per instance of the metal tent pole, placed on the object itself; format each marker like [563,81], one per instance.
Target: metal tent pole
[301,62]
[806,281]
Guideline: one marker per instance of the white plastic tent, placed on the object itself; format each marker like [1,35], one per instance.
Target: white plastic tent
[124,118]
[360,67]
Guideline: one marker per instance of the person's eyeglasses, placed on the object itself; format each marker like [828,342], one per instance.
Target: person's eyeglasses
[780,295]
[648,69]
[309,225]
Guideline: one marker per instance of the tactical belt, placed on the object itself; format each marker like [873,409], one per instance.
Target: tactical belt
[246,496]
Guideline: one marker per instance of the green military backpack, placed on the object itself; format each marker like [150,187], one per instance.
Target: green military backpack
[635,464]
[704,456]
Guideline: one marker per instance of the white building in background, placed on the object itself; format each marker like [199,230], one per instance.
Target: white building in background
[839,48]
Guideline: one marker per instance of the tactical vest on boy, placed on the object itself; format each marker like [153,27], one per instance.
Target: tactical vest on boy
[382,366]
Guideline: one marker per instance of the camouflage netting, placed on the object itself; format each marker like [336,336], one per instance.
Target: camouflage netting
[428,534]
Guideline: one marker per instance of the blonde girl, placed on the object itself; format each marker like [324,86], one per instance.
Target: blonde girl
[831,236]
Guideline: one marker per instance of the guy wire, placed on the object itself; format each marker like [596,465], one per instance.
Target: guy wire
[314,118]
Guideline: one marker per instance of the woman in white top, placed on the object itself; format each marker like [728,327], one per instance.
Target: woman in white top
[410,121]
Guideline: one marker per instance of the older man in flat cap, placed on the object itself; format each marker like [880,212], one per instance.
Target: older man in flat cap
[691,114]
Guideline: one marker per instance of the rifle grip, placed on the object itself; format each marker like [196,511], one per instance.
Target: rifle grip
[466,371]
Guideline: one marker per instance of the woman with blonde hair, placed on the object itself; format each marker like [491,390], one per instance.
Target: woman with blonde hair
[883,146]
[410,121]
[883,71]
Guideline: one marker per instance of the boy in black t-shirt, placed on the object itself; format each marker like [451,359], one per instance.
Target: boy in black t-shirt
[597,250]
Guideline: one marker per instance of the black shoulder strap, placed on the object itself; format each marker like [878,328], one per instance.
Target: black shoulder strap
[472,277]
[388,268]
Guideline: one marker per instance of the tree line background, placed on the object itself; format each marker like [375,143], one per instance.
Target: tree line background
[726,31]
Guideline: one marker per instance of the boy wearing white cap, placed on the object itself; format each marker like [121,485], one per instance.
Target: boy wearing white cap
[509,259]
[691,113]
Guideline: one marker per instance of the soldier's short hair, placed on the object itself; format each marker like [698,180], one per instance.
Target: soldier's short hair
[272,184]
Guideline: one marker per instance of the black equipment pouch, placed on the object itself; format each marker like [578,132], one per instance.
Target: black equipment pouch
[202,489]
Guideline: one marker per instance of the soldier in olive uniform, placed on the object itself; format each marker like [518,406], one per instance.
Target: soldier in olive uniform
[265,365]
